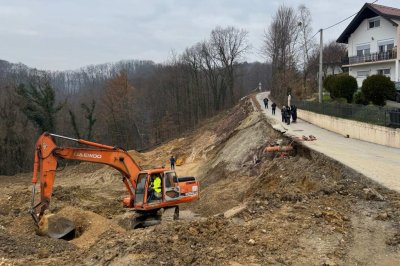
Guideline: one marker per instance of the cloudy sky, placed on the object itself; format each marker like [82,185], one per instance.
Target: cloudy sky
[69,34]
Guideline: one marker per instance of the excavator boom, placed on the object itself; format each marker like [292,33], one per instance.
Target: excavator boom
[45,164]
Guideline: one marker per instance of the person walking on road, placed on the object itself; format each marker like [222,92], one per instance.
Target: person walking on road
[294,113]
[283,113]
[265,103]
[288,115]
[172,161]
[273,105]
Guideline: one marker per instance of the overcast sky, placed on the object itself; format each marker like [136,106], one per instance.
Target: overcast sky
[69,34]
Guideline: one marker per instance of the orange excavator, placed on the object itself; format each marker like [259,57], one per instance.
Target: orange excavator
[147,201]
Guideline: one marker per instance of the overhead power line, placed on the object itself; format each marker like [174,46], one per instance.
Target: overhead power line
[340,21]
[314,34]
[344,19]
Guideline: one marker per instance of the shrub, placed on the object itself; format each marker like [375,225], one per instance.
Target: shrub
[345,86]
[328,81]
[359,98]
[377,89]
[341,100]
[341,86]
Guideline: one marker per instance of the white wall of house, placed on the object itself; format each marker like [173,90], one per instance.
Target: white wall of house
[364,35]
[361,72]
[398,37]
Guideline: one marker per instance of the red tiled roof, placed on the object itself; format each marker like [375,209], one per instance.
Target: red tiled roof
[387,10]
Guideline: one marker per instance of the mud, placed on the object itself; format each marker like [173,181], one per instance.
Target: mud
[300,209]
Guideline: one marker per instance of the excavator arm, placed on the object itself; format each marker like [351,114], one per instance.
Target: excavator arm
[45,164]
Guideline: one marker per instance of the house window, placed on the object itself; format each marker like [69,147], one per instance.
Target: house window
[374,23]
[385,72]
[363,50]
[386,46]
[362,74]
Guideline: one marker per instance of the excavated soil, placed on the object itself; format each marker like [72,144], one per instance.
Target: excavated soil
[299,209]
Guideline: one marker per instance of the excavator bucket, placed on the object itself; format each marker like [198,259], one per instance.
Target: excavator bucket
[56,226]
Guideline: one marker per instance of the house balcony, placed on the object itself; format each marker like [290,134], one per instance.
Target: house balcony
[369,58]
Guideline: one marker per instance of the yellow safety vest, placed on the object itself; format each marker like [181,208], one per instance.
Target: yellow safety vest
[157,185]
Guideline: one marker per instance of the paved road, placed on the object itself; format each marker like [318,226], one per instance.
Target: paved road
[378,162]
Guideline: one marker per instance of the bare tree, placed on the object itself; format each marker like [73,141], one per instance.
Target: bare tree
[89,117]
[117,104]
[191,61]
[306,42]
[212,73]
[89,110]
[332,54]
[15,134]
[230,45]
[280,46]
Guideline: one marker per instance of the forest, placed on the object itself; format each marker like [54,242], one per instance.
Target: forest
[133,104]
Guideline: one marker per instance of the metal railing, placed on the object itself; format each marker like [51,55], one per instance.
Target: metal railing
[394,118]
[380,56]
[371,114]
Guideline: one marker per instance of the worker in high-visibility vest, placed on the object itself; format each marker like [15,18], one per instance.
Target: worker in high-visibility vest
[157,186]
[154,188]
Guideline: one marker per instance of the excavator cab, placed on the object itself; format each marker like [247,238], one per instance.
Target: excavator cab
[165,206]
[141,188]
[174,190]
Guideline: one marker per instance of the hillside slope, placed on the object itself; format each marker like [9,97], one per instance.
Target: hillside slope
[297,210]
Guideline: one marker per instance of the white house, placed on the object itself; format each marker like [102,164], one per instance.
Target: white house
[373,42]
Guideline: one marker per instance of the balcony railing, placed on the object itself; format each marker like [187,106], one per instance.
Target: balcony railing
[369,58]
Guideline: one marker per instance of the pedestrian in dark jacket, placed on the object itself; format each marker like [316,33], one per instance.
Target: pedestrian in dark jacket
[265,103]
[273,105]
[288,115]
[283,113]
[294,113]
[172,161]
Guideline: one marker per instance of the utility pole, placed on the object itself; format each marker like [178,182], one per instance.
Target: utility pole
[321,47]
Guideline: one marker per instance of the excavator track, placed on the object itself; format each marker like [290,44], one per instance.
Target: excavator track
[171,214]
[142,220]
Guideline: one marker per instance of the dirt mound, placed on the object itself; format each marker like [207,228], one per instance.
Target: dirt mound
[89,226]
[93,175]
[242,144]
[31,246]
[139,158]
